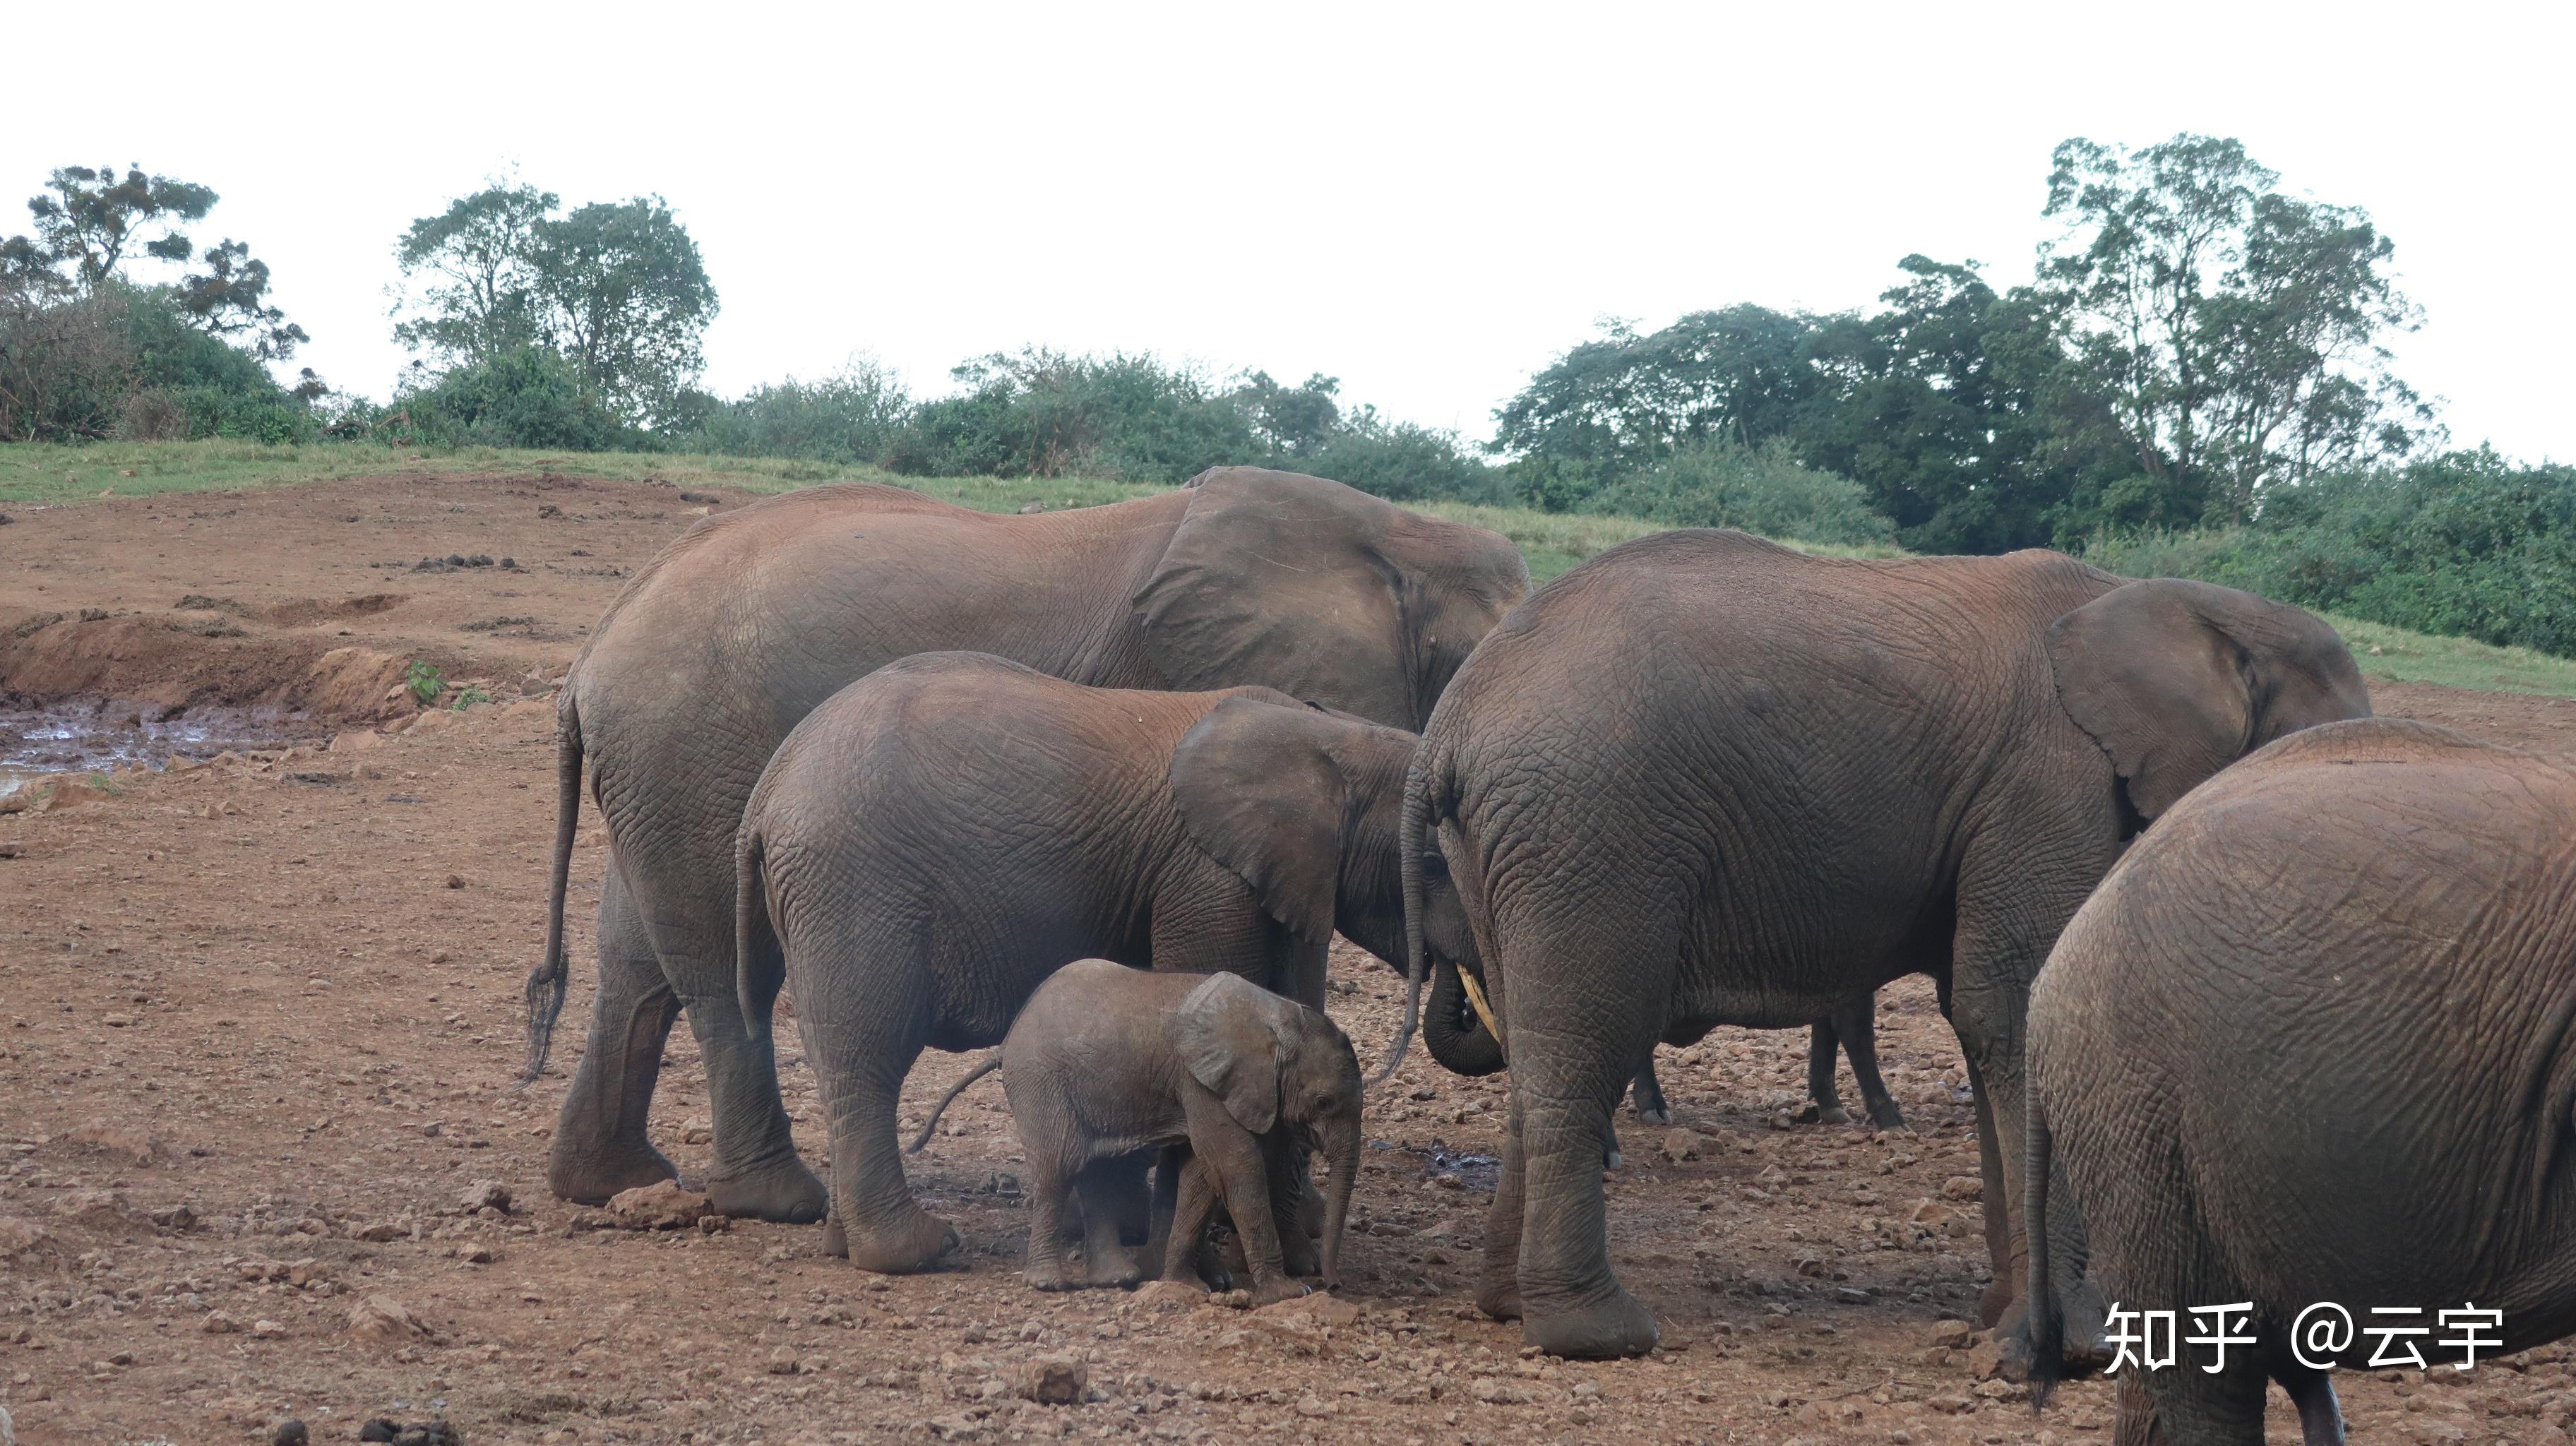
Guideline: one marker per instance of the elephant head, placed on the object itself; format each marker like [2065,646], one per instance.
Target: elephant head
[2178,679]
[1323,592]
[1306,805]
[1277,1064]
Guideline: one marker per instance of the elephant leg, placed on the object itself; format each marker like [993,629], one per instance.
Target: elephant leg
[1050,1186]
[1169,1162]
[1571,1302]
[1498,1285]
[1823,1043]
[1194,1201]
[687,905]
[600,1145]
[1857,1027]
[2191,1405]
[2133,1415]
[1237,1159]
[1115,1204]
[860,1052]
[1293,1200]
[1647,1093]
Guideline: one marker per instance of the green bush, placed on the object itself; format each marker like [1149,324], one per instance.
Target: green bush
[1766,489]
[848,419]
[2467,545]
[525,397]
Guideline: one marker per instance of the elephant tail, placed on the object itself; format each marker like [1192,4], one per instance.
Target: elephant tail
[991,1061]
[548,981]
[2043,1324]
[756,975]
[1418,786]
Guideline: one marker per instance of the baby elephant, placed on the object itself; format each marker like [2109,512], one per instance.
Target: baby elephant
[1107,1062]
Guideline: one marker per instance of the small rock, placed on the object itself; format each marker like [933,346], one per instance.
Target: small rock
[782,1361]
[265,1329]
[1680,1145]
[456,881]
[379,1429]
[662,1205]
[1950,1334]
[1170,1295]
[1031,509]
[1950,1405]
[290,1432]
[219,1324]
[385,1320]
[1986,1359]
[1963,1187]
[1054,1380]
[486,1195]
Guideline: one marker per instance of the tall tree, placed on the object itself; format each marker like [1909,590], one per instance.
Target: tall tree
[619,291]
[92,218]
[627,299]
[2234,331]
[470,274]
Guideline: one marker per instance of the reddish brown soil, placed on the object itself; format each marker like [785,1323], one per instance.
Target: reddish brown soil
[285,995]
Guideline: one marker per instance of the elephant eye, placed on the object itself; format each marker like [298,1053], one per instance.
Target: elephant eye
[1434,866]
[1324,1104]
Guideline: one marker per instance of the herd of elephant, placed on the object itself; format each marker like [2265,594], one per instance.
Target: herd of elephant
[2306,1027]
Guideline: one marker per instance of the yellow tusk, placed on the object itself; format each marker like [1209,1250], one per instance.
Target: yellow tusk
[1476,1002]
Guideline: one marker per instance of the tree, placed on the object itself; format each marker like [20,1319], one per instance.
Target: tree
[2234,331]
[94,216]
[229,299]
[627,299]
[476,266]
[618,290]
[1623,401]
[1293,421]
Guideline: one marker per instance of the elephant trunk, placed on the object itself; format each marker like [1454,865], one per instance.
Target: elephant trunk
[1342,1148]
[1451,1031]
[1417,791]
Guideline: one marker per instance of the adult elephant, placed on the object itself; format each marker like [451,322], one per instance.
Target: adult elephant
[734,633]
[1702,779]
[2311,1042]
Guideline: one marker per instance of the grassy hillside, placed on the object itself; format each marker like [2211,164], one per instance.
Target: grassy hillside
[40,475]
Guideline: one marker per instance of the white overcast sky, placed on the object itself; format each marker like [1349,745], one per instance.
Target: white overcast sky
[1426,201]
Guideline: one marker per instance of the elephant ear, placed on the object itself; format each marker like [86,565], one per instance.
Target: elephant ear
[1279,579]
[1258,788]
[1236,1038]
[2177,679]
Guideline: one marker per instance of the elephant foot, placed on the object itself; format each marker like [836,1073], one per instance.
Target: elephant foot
[1612,1327]
[1658,1113]
[1299,1256]
[1113,1269]
[1815,1114]
[1501,1302]
[895,1247]
[596,1175]
[784,1192]
[1887,1116]
[1995,1302]
[1277,1289]
[1049,1276]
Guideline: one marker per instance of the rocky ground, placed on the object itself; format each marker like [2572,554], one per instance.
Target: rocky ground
[262,1156]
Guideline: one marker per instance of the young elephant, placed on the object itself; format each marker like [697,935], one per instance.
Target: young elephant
[937,838]
[1107,1062]
[2314,1040]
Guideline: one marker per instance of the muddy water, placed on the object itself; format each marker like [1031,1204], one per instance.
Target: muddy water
[105,735]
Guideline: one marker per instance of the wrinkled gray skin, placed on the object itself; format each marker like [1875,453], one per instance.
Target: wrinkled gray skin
[1107,1063]
[2313,1040]
[721,644]
[1705,780]
[939,837]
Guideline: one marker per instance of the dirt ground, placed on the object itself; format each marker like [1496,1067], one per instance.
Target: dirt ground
[262,1020]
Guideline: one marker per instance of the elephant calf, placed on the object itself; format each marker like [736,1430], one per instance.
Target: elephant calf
[1108,1062]
[2314,1040]
[937,838]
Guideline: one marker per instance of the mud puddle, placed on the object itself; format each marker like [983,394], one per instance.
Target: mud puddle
[103,736]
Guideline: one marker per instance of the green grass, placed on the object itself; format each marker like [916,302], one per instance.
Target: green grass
[44,475]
